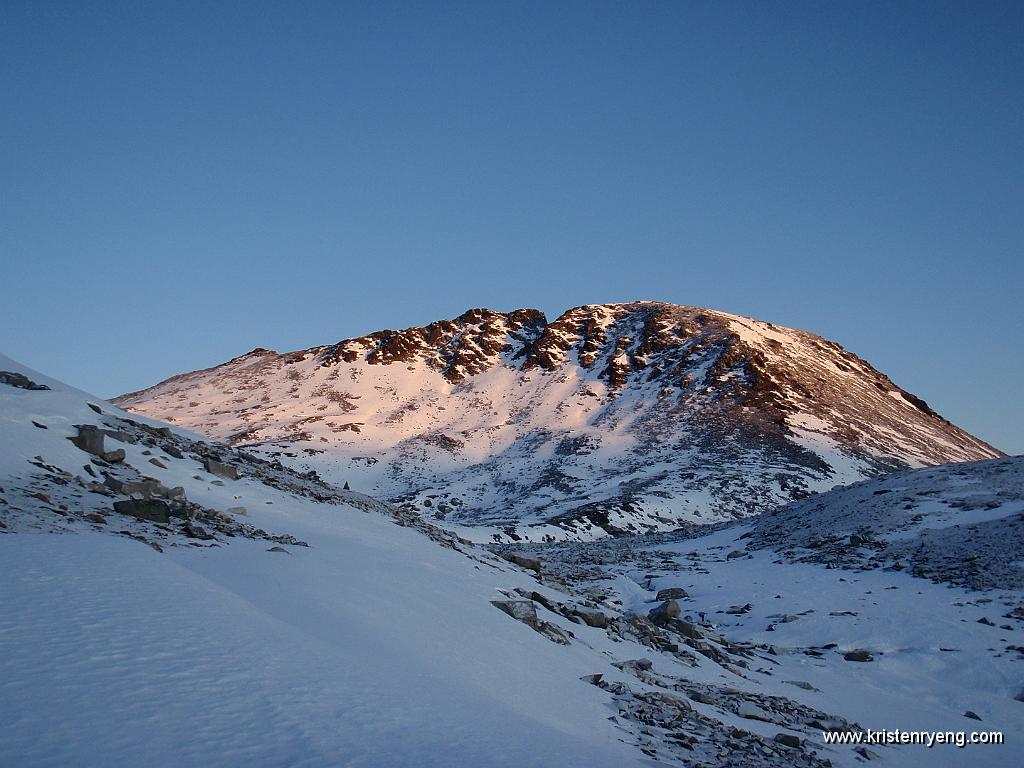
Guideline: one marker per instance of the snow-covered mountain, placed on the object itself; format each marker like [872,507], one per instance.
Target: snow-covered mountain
[169,601]
[615,418]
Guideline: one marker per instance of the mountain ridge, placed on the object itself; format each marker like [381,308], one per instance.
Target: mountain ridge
[653,412]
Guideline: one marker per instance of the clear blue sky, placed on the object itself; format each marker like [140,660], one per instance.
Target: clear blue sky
[182,182]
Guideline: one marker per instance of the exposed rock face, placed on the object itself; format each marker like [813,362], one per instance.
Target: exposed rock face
[613,418]
[20,380]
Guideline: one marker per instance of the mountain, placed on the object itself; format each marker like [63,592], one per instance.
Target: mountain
[617,418]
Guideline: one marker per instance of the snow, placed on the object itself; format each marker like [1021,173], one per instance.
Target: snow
[374,646]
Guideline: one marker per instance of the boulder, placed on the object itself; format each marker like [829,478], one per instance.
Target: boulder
[153,510]
[520,610]
[788,740]
[115,456]
[157,463]
[665,612]
[89,439]
[859,654]
[20,381]
[593,618]
[672,593]
[173,451]
[223,470]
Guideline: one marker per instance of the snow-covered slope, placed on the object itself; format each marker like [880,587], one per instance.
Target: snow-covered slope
[613,418]
[375,645]
[270,619]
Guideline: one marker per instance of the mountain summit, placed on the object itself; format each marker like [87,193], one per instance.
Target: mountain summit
[613,418]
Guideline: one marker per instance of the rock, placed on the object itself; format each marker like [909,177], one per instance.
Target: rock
[642,663]
[95,407]
[279,549]
[154,510]
[41,426]
[523,561]
[520,610]
[665,612]
[688,629]
[89,439]
[672,593]
[593,618]
[986,621]
[20,381]
[115,456]
[788,740]
[172,451]
[748,711]
[866,753]
[238,511]
[158,463]
[94,517]
[858,655]
[735,553]
[855,540]
[971,714]
[592,679]
[195,532]
[739,610]
[217,468]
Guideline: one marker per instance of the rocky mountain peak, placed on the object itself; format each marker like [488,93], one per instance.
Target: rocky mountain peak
[612,417]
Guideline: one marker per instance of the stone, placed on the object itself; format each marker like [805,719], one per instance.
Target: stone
[173,451]
[592,679]
[672,593]
[94,517]
[593,618]
[688,629]
[95,407]
[242,511]
[195,532]
[153,510]
[20,381]
[217,468]
[748,711]
[158,463]
[115,456]
[859,654]
[972,715]
[665,612]
[735,553]
[986,621]
[520,610]
[41,426]
[279,549]
[89,439]
[788,740]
